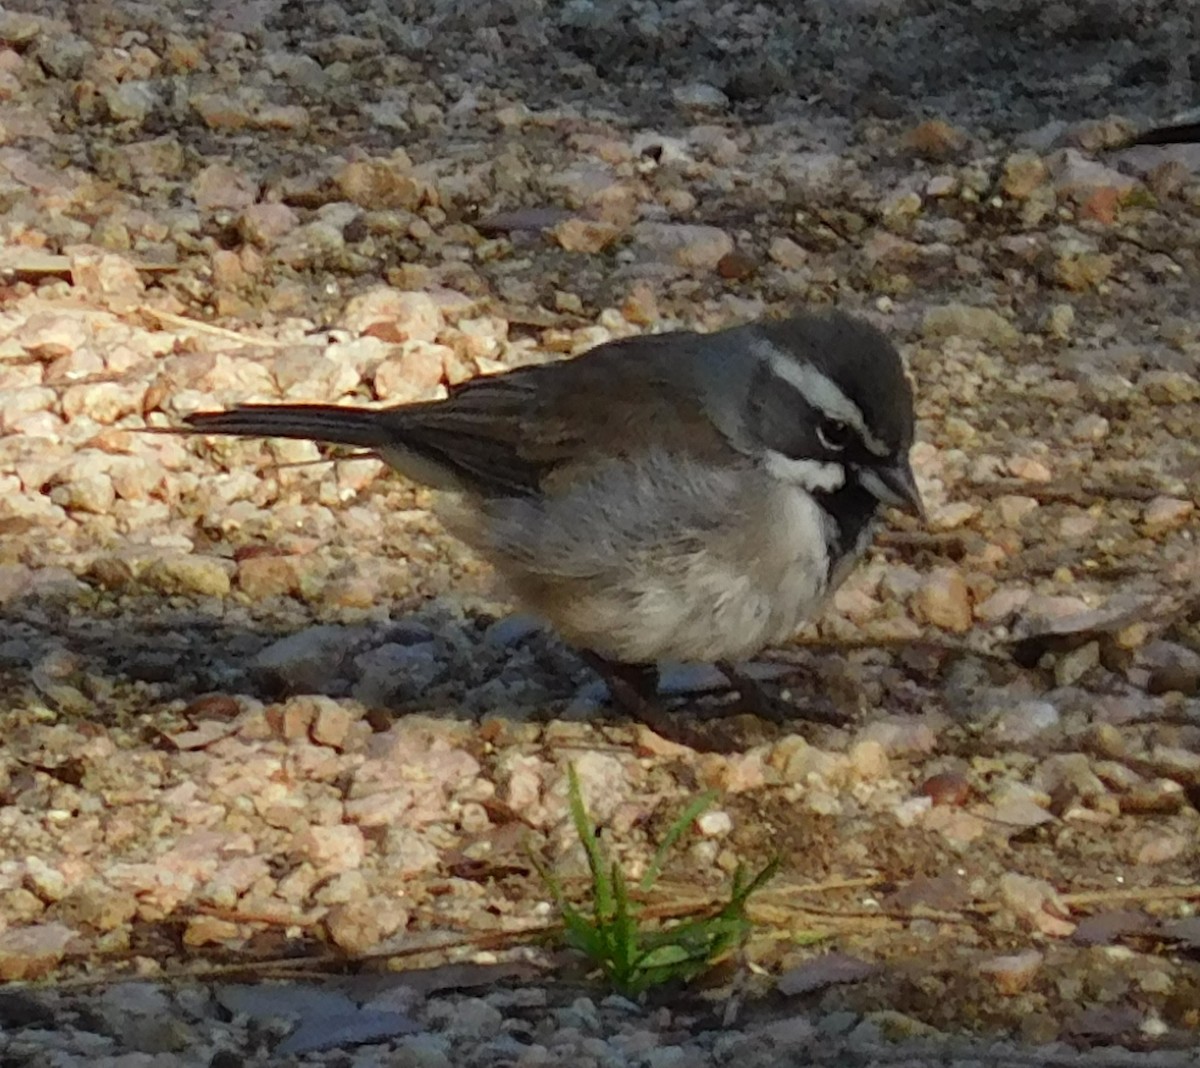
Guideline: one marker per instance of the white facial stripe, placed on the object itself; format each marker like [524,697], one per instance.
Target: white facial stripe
[874,485]
[811,475]
[821,392]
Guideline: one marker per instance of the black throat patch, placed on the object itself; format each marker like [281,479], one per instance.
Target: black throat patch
[852,508]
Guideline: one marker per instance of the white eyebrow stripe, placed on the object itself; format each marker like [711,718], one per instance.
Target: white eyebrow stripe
[820,391]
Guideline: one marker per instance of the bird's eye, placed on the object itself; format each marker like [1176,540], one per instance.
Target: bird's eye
[833,434]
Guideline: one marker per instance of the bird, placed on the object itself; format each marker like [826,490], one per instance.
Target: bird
[677,496]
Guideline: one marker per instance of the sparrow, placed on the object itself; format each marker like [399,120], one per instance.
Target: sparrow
[678,496]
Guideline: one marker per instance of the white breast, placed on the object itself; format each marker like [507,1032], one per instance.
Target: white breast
[712,566]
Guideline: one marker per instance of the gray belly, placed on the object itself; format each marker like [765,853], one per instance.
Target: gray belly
[691,586]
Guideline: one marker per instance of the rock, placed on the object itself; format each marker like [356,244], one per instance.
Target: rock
[223,111]
[511,630]
[102,402]
[1108,928]
[640,305]
[963,320]
[1072,666]
[471,1018]
[220,185]
[699,96]
[308,661]
[163,1035]
[815,173]
[947,788]
[901,736]
[47,335]
[1017,809]
[332,849]
[1079,270]
[828,969]
[84,489]
[378,184]
[1060,322]
[1069,774]
[1090,428]
[407,853]
[801,763]
[19,29]
[1024,172]
[179,573]
[585,235]
[28,953]
[941,185]
[304,373]
[394,673]
[787,253]
[1170,387]
[107,277]
[58,674]
[1076,176]
[264,224]
[1024,721]
[737,265]
[692,247]
[868,760]
[596,188]
[18,403]
[131,101]
[97,905]
[1037,903]
[357,927]
[1014,508]
[1172,667]
[1047,610]
[46,880]
[935,140]
[268,576]
[1012,974]
[414,373]
[604,782]
[393,315]
[943,600]
[1157,847]
[1030,469]
[1166,513]
[898,208]
[714,823]
[64,54]
[20,1009]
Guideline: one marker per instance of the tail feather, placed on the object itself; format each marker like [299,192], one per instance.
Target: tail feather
[329,423]
[1184,133]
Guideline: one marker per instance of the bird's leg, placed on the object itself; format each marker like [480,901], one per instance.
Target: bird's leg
[633,687]
[752,693]
[758,701]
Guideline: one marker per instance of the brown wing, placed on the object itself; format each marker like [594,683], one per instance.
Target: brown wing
[515,432]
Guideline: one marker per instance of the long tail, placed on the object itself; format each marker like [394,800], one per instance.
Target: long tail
[316,422]
[1184,133]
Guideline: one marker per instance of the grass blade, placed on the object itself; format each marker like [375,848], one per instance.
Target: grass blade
[674,833]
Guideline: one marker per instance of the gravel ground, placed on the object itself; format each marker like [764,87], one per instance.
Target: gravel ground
[276,751]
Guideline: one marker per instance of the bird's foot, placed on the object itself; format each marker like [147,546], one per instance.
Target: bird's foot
[633,688]
[755,698]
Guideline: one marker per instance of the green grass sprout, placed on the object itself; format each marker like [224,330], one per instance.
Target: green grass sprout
[633,956]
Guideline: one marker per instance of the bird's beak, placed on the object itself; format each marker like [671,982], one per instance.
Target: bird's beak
[896,486]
